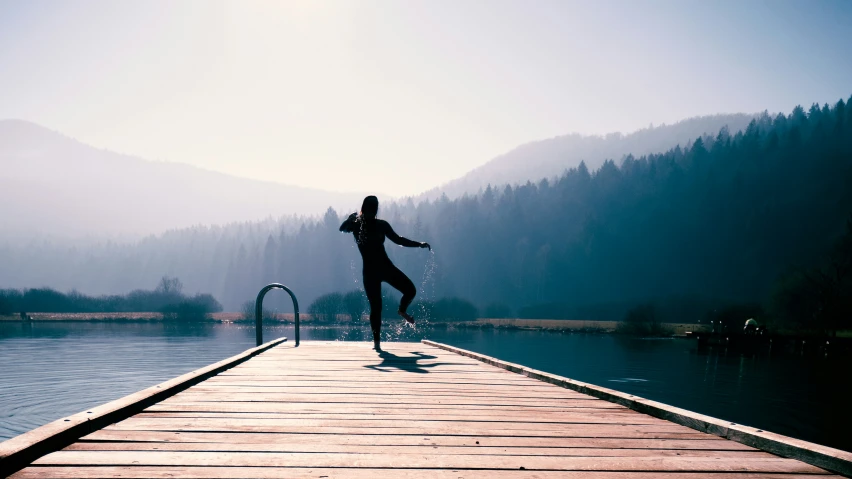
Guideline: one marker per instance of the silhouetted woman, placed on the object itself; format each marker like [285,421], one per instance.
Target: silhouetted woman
[370,233]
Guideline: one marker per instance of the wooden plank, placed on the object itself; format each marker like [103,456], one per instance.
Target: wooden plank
[367,368]
[586,430]
[396,392]
[347,386]
[365,378]
[378,402]
[368,398]
[384,392]
[343,406]
[23,449]
[364,383]
[821,456]
[385,379]
[703,441]
[390,414]
[297,408]
[286,423]
[299,446]
[442,432]
[350,385]
[206,472]
[367,372]
[439,461]
[372,420]
[320,364]
[444,415]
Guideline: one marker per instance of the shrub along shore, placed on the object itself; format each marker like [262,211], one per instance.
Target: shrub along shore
[167,302]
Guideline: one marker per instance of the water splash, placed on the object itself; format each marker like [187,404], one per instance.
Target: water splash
[354,272]
[362,236]
[357,326]
[427,288]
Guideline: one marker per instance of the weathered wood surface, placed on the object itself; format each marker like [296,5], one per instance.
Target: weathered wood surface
[339,410]
[833,459]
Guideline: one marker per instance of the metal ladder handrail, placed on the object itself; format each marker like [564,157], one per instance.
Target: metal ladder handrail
[258,310]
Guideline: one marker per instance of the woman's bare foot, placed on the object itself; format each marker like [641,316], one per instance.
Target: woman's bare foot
[406,316]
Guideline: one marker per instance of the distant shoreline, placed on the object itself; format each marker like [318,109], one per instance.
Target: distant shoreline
[125,317]
[679,329]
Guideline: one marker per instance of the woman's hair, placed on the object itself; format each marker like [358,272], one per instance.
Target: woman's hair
[370,207]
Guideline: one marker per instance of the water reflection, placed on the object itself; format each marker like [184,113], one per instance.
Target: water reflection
[29,329]
[195,330]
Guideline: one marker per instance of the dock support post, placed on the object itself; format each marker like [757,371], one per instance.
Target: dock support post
[258,310]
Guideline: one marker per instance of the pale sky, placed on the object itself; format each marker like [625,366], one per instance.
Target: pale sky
[401,96]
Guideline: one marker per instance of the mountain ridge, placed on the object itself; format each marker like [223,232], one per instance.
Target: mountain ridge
[53,184]
[70,139]
[550,157]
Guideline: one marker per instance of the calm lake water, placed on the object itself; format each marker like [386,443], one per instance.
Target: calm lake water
[51,370]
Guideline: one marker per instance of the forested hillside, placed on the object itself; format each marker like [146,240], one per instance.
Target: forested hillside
[713,223]
[554,156]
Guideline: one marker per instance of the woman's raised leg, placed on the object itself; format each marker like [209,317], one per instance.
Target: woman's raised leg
[401,282]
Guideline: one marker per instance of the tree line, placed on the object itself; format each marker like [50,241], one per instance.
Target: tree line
[167,298]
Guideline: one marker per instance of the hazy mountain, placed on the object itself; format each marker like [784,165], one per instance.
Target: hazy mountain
[51,184]
[550,158]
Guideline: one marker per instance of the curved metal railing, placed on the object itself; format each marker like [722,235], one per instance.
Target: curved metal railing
[258,310]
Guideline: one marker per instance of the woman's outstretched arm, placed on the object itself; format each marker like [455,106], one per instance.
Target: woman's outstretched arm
[348,226]
[391,234]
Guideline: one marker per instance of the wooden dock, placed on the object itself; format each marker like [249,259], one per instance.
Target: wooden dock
[337,410]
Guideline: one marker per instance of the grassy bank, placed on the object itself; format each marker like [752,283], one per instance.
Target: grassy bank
[678,329]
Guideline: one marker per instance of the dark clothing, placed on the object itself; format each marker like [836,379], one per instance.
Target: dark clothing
[391,275]
[370,236]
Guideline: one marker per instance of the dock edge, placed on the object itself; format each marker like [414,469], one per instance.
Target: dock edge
[19,451]
[834,460]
